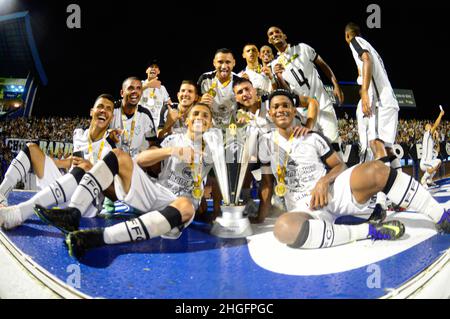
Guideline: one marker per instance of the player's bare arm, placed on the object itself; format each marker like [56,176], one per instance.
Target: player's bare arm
[367,77]
[151,84]
[319,195]
[437,122]
[329,73]
[279,69]
[172,117]
[63,163]
[155,155]
[313,110]
[266,192]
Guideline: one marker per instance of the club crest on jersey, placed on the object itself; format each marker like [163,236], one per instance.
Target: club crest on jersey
[137,130]
[187,172]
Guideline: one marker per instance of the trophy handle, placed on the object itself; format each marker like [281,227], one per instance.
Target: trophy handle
[251,140]
[214,140]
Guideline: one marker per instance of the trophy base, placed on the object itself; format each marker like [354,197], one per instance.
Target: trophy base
[232,224]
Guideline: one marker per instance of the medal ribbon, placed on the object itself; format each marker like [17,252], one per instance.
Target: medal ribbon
[212,89]
[152,93]
[283,60]
[133,124]
[91,153]
[281,170]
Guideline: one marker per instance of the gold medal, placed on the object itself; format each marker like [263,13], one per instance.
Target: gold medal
[212,89]
[197,193]
[233,129]
[241,114]
[281,189]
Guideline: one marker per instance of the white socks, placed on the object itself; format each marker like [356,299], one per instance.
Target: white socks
[321,234]
[147,226]
[57,193]
[395,164]
[408,193]
[16,172]
[99,178]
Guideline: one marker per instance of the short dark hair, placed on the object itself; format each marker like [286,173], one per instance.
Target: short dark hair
[201,104]
[224,51]
[190,82]
[238,80]
[106,96]
[289,94]
[353,29]
[131,78]
[250,44]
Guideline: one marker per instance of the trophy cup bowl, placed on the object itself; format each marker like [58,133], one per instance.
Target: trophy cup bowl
[230,160]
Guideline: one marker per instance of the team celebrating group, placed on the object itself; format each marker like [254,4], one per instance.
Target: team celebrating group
[149,152]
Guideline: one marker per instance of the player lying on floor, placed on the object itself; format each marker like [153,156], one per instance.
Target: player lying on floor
[56,189]
[170,202]
[318,187]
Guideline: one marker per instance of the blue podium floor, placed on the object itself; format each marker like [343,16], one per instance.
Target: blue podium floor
[201,266]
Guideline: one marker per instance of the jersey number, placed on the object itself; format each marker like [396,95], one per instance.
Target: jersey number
[300,78]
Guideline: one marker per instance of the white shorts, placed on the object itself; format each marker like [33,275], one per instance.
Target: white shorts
[426,165]
[327,123]
[51,174]
[381,125]
[341,201]
[147,195]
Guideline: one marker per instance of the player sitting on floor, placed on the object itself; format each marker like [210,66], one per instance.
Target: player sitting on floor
[318,187]
[89,146]
[170,202]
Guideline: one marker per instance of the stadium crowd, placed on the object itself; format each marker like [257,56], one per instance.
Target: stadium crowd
[409,131]
[51,128]
[150,142]
[60,129]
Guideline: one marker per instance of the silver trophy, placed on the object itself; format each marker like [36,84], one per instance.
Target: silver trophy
[230,159]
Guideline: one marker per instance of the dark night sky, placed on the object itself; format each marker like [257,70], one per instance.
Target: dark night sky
[117,38]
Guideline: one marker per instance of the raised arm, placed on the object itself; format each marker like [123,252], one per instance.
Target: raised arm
[330,75]
[313,110]
[437,122]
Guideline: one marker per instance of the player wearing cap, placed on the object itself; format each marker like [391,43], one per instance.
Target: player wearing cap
[154,94]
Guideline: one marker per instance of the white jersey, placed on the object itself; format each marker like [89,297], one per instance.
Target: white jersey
[224,104]
[154,99]
[305,164]
[135,137]
[179,126]
[301,73]
[427,147]
[380,87]
[99,148]
[176,175]
[259,80]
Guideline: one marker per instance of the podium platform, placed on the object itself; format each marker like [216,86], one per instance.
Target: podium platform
[35,264]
